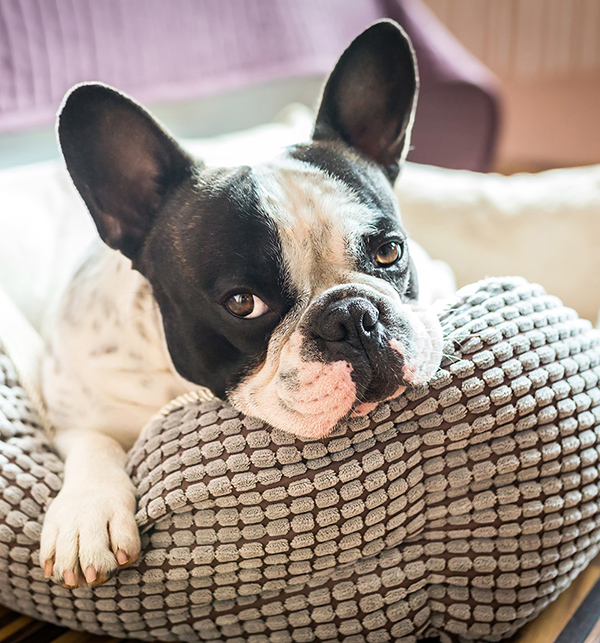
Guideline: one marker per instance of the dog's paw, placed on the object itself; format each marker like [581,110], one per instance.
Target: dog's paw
[89,533]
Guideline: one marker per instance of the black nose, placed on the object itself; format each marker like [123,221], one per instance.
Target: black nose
[346,319]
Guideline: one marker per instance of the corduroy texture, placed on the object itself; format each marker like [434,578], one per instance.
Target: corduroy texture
[461,508]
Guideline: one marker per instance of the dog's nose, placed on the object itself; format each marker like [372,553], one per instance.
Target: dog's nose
[347,319]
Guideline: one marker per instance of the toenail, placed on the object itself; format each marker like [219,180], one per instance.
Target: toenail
[48,566]
[90,574]
[69,577]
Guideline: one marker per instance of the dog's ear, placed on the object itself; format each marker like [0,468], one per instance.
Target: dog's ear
[370,97]
[121,161]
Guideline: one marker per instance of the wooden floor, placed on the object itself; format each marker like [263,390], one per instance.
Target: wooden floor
[573,618]
[15,628]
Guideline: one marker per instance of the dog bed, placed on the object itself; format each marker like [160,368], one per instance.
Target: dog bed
[459,509]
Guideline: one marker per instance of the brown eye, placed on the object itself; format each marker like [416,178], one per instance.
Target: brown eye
[246,305]
[388,254]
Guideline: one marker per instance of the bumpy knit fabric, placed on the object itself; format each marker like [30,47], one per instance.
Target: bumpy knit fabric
[459,509]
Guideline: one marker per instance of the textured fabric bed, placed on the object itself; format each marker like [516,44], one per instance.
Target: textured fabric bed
[461,508]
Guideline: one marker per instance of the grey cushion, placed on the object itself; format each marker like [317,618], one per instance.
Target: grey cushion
[461,508]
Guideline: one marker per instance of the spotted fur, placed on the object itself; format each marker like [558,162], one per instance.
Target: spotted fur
[340,332]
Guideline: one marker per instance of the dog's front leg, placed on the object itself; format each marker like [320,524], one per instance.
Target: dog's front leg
[90,530]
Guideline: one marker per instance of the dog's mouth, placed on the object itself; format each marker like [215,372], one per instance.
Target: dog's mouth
[303,391]
[384,386]
[312,398]
[364,408]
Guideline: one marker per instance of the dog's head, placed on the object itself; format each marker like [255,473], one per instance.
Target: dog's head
[287,286]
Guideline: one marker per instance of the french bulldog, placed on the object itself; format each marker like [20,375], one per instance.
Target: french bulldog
[287,287]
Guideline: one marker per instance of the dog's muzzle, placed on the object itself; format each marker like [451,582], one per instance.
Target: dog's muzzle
[365,329]
[353,347]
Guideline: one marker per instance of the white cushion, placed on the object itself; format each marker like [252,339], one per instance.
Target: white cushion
[545,226]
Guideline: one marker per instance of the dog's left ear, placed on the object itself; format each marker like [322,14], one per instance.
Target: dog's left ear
[370,98]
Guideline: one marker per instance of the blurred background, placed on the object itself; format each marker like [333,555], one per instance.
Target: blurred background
[508,88]
[546,55]
[506,84]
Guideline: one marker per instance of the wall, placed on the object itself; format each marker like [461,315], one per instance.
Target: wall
[547,55]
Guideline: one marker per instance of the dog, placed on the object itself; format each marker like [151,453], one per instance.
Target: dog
[287,287]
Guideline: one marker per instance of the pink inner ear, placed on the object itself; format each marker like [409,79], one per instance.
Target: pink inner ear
[137,173]
[121,161]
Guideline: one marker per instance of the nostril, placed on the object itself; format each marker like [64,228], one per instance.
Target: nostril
[370,317]
[333,324]
[346,319]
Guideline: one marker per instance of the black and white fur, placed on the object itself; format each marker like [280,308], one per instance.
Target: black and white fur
[328,329]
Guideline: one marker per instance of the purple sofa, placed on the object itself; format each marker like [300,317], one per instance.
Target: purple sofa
[186,49]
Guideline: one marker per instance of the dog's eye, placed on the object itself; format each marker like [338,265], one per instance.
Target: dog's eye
[388,254]
[246,305]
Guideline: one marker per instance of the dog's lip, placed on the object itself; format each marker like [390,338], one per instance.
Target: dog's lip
[376,381]
[363,408]
[313,418]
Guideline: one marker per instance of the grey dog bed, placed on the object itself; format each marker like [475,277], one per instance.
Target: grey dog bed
[458,509]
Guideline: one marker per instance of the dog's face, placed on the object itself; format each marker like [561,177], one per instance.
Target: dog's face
[287,286]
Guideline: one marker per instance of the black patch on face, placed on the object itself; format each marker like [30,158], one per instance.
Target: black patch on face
[367,182]
[211,241]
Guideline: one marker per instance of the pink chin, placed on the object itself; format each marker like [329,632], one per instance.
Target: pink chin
[312,410]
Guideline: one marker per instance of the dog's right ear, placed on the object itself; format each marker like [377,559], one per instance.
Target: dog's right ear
[370,97]
[122,162]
